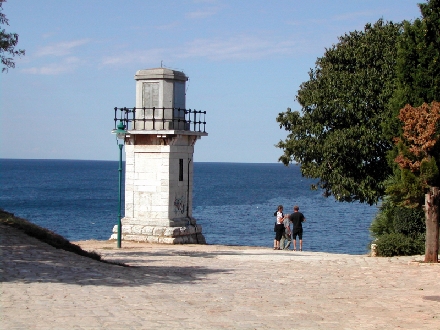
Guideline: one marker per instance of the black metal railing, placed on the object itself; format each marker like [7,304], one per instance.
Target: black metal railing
[161,119]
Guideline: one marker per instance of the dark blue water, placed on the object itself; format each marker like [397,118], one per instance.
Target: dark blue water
[233,202]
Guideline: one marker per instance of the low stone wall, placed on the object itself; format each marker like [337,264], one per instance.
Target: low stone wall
[190,234]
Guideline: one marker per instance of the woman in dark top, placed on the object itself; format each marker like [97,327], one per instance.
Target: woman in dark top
[279,228]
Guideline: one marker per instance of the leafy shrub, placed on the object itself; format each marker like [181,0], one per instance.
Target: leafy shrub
[398,230]
[398,244]
[383,221]
[409,221]
[419,243]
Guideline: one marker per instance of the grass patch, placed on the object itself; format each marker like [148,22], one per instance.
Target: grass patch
[49,237]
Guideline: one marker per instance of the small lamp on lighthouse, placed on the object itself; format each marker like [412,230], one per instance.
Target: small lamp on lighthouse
[120,139]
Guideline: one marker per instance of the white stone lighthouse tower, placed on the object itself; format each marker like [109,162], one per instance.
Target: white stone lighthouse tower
[159,148]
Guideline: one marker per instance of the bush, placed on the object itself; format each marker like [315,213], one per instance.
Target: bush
[409,221]
[398,230]
[383,221]
[398,244]
[419,243]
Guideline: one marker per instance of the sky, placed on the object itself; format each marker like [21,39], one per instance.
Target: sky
[245,61]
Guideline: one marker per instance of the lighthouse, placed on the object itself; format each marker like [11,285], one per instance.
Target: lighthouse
[160,135]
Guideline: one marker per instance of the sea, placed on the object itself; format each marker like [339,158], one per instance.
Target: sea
[233,202]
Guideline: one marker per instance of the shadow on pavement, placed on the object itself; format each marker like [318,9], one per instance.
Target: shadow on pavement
[27,260]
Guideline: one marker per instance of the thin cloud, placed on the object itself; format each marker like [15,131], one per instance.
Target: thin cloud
[147,57]
[236,48]
[354,16]
[367,14]
[61,49]
[204,1]
[67,65]
[200,14]
[170,26]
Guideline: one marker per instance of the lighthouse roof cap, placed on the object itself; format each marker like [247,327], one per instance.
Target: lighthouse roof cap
[160,73]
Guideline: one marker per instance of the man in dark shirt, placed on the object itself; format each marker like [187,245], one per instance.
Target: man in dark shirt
[297,218]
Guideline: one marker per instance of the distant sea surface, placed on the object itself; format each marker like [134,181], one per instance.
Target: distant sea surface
[234,202]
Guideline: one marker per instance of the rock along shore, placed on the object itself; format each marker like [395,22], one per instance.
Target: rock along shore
[210,287]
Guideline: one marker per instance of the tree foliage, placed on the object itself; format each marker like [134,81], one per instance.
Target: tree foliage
[8,41]
[397,244]
[418,153]
[398,230]
[418,141]
[417,65]
[414,121]
[338,138]
[409,222]
[383,223]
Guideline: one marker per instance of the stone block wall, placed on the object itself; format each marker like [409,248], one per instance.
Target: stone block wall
[190,234]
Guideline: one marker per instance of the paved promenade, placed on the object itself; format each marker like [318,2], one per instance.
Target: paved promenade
[210,287]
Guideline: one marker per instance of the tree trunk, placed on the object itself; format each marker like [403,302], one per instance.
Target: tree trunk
[432,230]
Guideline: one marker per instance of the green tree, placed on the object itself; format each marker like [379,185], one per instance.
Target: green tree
[417,65]
[416,155]
[8,41]
[338,139]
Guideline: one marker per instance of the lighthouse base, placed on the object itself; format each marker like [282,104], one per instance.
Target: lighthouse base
[190,233]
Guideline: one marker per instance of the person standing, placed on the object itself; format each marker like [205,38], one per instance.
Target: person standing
[286,238]
[297,218]
[279,228]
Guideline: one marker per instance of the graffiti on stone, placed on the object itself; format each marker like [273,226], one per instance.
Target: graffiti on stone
[179,205]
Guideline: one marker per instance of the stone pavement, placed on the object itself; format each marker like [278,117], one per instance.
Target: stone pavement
[210,287]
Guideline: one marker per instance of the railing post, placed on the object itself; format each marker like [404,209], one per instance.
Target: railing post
[163,117]
[195,118]
[153,117]
[189,117]
[133,118]
[127,116]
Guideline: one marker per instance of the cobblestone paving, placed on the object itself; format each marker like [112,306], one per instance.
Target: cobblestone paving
[210,287]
